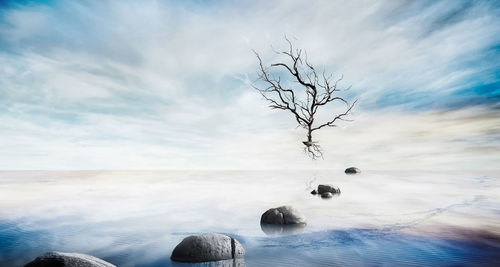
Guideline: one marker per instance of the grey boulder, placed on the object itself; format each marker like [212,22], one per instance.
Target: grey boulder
[352,170]
[283,215]
[207,247]
[325,188]
[60,259]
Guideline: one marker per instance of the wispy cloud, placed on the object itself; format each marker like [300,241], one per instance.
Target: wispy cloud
[149,84]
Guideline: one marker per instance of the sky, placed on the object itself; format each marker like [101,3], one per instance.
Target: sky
[167,84]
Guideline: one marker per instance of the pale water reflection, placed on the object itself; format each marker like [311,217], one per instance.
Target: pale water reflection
[282,230]
[135,218]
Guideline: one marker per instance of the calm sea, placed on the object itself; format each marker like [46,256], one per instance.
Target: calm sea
[136,218]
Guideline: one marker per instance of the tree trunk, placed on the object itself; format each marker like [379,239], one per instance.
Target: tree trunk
[309,135]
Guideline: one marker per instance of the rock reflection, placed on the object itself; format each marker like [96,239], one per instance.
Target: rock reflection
[238,262]
[282,229]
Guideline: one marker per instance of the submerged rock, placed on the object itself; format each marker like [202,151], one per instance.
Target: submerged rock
[282,229]
[327,195]
[325,188]
[60,259]
[352,170]
[283,215]
[207,247]
[238,262]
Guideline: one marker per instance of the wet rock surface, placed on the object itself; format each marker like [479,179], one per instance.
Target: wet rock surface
[207,247]
[60,259]
[352,170]
[328,188]
[238,262]
[327,195]
[282,216]
[282,229]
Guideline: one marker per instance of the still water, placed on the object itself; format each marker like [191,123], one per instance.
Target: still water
[136,218]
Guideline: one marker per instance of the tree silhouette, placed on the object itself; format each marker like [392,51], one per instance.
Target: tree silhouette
[320,90]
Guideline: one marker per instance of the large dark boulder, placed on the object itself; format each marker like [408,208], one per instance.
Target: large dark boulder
[328,188]
[283,215]
[60,259]
[207,247]
[352,170]
[284,220]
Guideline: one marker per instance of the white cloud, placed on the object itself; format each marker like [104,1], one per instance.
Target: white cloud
[147,85]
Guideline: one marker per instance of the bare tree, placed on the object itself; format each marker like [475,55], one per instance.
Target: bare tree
[320,90]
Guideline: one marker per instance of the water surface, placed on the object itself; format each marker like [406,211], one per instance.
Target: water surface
[135,218]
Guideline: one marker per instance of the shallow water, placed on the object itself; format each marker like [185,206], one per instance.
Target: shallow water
[135,218]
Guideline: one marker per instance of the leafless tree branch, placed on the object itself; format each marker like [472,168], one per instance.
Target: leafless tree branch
[319,89]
